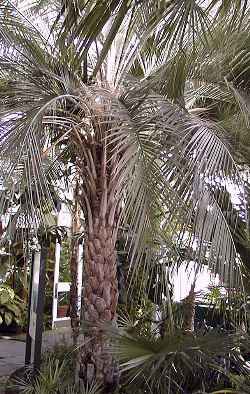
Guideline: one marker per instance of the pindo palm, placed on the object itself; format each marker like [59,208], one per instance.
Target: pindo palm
[100,95]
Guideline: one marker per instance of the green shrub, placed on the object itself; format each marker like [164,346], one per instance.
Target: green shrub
[11,307]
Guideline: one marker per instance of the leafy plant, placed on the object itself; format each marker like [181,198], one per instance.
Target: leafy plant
[54,378]
[47,381]
[11,307]
[179,363]
[64,274]
[63,353]
[240,383]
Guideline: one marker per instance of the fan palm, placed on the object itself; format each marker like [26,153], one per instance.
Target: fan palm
[99,93]
[179,363]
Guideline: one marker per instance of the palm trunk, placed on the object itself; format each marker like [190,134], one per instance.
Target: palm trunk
[189,310]
[100,299]
[74,260]
[189,305]
[100,204]
[100,199]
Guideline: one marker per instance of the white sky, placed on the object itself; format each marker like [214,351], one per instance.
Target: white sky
[184,278]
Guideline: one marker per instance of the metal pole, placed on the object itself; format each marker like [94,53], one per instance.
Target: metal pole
[56,280]
[40,307]
[28,337]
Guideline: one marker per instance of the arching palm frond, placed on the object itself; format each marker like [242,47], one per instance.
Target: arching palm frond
[17,33]
[204,167]
[145,131]
[201,79]
[233,10]
[24,204]
[223,57]
[94,27]
[48,100]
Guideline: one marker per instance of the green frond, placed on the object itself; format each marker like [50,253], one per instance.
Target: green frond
[176,362]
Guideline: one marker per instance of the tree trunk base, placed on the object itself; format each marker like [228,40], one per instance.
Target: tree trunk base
[98,365]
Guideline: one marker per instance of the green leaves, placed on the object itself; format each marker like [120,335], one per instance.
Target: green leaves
[179,362]
[233,10]
[6,295]
[11,307]
[47,381]
[8,317]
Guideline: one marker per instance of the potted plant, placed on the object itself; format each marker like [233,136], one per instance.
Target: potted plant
[62,311]
[63,306]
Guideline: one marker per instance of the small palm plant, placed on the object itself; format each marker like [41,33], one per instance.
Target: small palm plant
[180,362]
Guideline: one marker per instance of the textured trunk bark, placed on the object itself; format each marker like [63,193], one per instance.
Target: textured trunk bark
[189,310]
[100,299]
[101,195]
[74,260]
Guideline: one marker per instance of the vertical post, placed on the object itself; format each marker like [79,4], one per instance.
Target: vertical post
[56,280]
[56,269]
[28,337]
[40,306]
[79,276]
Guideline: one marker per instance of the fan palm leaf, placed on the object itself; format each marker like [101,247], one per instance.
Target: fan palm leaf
[178,362]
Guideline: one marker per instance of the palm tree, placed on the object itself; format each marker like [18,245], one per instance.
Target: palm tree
[100,93]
